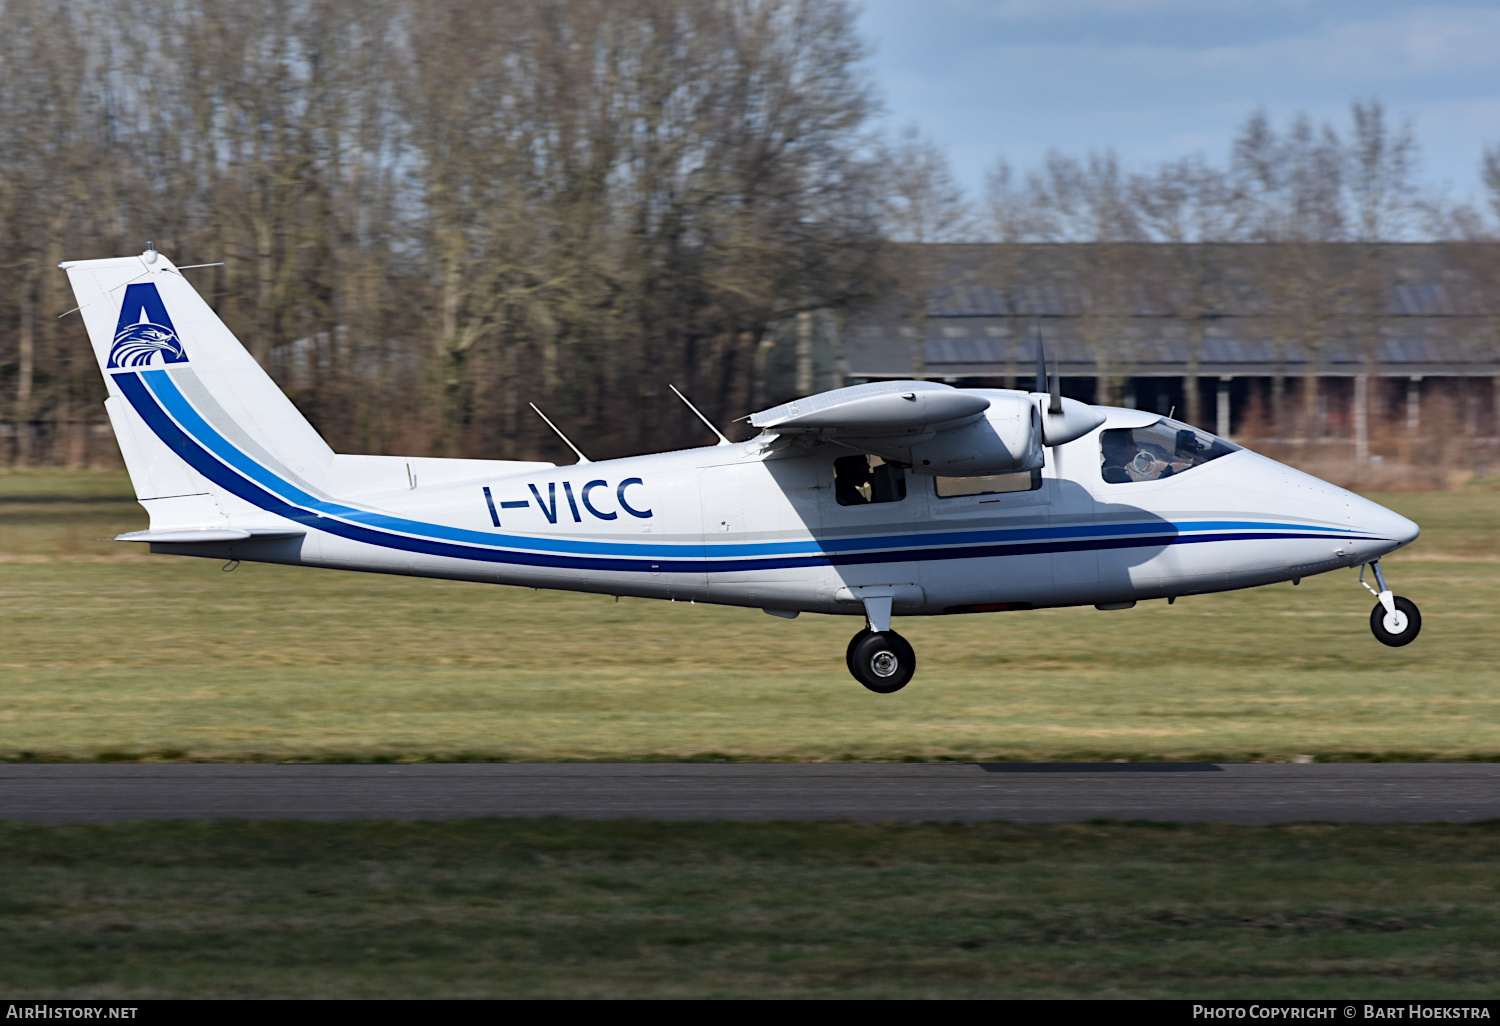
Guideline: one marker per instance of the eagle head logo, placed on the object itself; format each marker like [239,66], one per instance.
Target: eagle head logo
[138,345]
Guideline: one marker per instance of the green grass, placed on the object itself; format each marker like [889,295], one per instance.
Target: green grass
[1454,525]
[162,657]
[552,908]
[110,653]
[62,514]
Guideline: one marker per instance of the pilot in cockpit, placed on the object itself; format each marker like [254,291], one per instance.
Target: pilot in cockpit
[1156,451]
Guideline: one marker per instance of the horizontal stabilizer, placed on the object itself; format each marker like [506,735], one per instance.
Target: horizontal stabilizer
[210,535]
[872,410]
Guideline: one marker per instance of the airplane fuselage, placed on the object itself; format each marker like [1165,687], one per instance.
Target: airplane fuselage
[758,524]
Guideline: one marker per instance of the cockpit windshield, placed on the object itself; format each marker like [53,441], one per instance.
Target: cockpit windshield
[1156,451]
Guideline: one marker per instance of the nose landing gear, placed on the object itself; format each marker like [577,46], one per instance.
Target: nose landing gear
[1395,620]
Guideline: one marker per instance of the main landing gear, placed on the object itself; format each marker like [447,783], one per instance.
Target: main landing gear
[1395,620]
[879,658]
[882,661]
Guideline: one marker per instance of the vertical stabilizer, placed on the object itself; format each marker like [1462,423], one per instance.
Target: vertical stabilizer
[167,359]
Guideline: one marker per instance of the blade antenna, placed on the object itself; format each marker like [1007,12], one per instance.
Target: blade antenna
[581,457]
[706,422]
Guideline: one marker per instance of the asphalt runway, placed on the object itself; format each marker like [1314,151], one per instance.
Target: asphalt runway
[1020,792]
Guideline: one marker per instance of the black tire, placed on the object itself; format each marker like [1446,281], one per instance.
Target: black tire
[881,661]
[849,652]
[1407,636]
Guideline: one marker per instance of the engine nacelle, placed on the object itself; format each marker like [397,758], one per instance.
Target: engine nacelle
[1005,438]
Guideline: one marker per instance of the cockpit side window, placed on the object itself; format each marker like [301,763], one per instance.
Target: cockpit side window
[1156,451]
[861,480]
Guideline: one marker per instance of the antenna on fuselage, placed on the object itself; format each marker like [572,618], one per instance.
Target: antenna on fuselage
[706,422]
[1053,385]
[581,457]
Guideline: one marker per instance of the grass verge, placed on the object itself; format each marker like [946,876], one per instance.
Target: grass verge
[173,660]
[560,908]
[163,658]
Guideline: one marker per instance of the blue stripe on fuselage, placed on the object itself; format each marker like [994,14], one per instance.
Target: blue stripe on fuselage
[222,473]
[154,395]
[165,390]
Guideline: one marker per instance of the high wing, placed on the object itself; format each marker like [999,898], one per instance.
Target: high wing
[934,428]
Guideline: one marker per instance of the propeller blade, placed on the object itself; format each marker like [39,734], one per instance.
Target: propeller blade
[1041,360]
[1052,386]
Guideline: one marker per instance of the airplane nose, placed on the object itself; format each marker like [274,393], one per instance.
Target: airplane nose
[1405,530]
[1373,519]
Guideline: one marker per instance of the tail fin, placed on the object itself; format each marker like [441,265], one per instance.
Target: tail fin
[176,373]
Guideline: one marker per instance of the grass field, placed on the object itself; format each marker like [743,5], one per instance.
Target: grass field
[111,655]
[553,908]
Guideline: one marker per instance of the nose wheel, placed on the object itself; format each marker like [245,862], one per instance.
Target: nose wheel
[1395,620]
[1398,627]
[882,661]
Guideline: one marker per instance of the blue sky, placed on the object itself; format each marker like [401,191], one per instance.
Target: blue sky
[1159,79]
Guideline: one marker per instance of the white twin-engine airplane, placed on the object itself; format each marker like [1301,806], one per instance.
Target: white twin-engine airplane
[897,497]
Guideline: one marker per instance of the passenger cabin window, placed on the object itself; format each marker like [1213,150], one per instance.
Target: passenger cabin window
[992,484]
[1159,450]
[861,480]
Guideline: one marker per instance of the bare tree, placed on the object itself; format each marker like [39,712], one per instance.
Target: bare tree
[1292,186]
[426,212]
[1292,183]
[1489,169]
[924,204]
[1011,221]
[1381,177]
[1089,201]
[1082,201]
[1009,209]
[1190,206]
[42,178]
[1382,174]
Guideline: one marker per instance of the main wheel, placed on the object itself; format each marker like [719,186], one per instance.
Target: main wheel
[881,661]
[1398,628]
[864,632]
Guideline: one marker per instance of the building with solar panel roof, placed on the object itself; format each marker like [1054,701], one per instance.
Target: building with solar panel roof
[1322,339]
